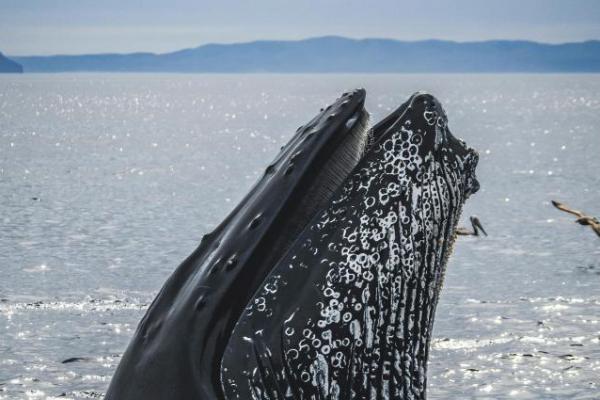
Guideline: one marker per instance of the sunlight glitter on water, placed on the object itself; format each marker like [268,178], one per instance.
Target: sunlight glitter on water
[109,181]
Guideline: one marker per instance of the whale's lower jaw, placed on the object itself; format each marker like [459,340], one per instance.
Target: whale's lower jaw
[323,282]
[376,346]
[348,312]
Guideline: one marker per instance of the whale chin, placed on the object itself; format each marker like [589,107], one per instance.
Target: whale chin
[199,339]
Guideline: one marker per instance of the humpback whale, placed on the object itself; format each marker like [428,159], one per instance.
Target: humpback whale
[322,283]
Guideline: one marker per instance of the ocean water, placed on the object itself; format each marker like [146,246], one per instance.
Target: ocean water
[108,181]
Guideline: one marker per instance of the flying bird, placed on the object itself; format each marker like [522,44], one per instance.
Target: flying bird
[582,219]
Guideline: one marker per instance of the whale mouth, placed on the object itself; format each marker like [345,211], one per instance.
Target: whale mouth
[185,331]
[346,148]
[346,138]
[344,135]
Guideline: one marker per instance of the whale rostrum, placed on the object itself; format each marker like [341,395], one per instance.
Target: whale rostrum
[323,282]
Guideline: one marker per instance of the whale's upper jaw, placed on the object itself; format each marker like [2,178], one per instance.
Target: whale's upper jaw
[181,338]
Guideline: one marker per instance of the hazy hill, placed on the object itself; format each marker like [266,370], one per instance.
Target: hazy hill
[8,65]
[337,54]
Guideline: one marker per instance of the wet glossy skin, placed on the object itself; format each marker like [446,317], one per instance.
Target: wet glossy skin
[178,346]
[322,283]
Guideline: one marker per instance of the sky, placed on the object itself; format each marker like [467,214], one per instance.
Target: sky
[42,27]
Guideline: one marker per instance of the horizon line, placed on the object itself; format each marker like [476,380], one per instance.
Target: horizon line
[355,39]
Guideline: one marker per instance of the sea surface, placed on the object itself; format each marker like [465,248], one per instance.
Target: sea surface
[108,181]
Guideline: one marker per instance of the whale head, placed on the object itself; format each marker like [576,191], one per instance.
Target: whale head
[324,280]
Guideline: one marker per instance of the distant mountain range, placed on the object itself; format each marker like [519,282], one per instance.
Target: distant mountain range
[8,65]
[338,54]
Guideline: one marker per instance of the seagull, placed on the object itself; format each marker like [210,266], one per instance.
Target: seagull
[582,219]
[476,224]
